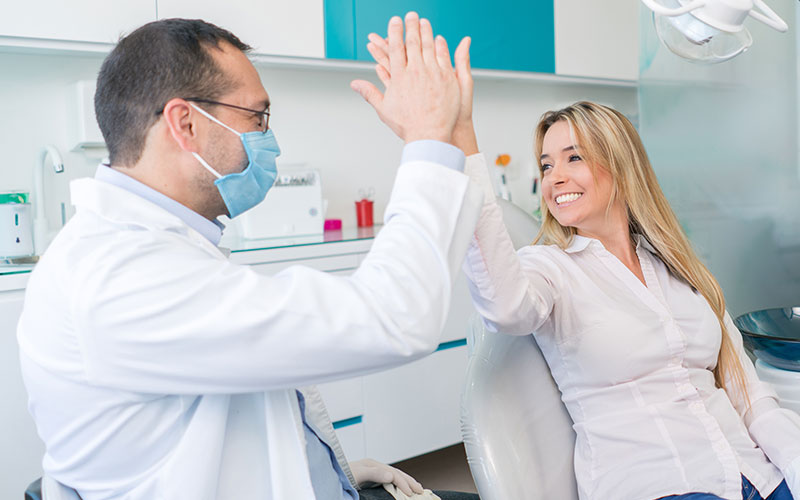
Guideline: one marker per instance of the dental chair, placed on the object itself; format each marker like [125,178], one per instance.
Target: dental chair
[517,432]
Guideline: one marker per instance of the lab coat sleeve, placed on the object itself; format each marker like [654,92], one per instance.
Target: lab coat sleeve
[510,290]
[165,317]
[774,429]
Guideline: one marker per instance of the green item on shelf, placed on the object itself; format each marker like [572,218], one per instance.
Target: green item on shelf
[20,197]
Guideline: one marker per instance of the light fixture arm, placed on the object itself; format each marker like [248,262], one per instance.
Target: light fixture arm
[769,17]
[666,11]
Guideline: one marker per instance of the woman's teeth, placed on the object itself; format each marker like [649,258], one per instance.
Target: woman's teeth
[565,198]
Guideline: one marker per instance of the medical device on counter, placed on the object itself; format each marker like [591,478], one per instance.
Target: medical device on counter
[709,31]
[293,207]
[16,230]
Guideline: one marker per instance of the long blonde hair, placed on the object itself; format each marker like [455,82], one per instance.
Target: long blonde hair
[606,139]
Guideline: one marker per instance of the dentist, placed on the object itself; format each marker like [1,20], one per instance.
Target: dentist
[156,368]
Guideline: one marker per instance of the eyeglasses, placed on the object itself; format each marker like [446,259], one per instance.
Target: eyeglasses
[263,115]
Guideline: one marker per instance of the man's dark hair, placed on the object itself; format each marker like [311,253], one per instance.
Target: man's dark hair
[157,62]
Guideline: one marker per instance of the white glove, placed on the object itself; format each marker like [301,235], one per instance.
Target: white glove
[369,471]
[792,475]
[399,495]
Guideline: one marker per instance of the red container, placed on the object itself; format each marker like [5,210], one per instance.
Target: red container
[364,213]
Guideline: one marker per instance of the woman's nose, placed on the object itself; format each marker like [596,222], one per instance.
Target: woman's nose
[557,176]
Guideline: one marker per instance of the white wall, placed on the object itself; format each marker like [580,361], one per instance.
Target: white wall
[316,117]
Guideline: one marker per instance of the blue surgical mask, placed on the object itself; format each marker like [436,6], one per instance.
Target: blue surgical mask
[243,190]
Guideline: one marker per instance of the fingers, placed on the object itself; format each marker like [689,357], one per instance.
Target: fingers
[463,68]
[428,49]
[413,41]
[397,50]
[443,53]
[384,75]
[406,483]
[401,481]
[380,57]
[379,50]
[462,56]
[369,92]
[412,483]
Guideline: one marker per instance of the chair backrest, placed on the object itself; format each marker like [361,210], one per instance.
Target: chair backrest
[517,432]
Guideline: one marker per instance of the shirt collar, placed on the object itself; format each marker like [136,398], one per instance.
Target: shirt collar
[580,243]
[642,241]
[211,230]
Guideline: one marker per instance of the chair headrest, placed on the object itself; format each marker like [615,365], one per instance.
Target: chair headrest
[522,227]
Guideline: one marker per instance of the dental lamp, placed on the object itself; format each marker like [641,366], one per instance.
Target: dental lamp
[709,31]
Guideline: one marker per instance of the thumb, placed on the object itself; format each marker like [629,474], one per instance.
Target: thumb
[462,61]
[369,92]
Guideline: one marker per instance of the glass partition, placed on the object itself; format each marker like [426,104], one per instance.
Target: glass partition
[723,140]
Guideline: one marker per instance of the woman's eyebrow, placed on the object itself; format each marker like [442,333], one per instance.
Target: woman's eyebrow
[568,148]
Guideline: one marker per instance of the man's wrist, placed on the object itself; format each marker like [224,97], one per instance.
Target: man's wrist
[428,136]
[434,151]
[464,139]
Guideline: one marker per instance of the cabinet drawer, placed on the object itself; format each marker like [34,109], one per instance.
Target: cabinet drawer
[344,399]
[351,438]
[329,264]
[416,408]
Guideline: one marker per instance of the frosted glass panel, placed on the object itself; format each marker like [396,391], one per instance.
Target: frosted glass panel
[723,140]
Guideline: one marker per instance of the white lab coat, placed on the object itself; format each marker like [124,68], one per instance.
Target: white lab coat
[157,369]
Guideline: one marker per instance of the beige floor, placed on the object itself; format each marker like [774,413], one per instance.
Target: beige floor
[444,469]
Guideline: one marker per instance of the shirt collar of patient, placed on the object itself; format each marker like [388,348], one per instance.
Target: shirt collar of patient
[210,230]
[580,243]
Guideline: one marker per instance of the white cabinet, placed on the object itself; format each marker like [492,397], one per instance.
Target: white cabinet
[415,408]
[276,27]
[98,21]
[598,39]
[22,450]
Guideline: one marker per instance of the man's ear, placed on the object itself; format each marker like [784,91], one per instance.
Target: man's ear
[180,118]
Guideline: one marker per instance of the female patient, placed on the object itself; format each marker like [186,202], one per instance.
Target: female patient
[664,401]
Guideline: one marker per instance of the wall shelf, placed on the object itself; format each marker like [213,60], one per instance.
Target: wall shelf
[18,45]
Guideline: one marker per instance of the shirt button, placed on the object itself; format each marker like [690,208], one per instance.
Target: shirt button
[686,388]
[675,361]
[696,406]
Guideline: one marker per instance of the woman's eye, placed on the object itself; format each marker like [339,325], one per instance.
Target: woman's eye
[574,158]
[546,167]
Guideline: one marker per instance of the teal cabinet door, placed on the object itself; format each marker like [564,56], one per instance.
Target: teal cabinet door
[508,35]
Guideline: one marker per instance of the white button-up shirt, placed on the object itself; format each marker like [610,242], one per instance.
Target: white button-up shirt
[633,362]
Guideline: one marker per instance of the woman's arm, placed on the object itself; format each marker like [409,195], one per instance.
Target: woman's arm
[513,296]
[775,430]
[510,299]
